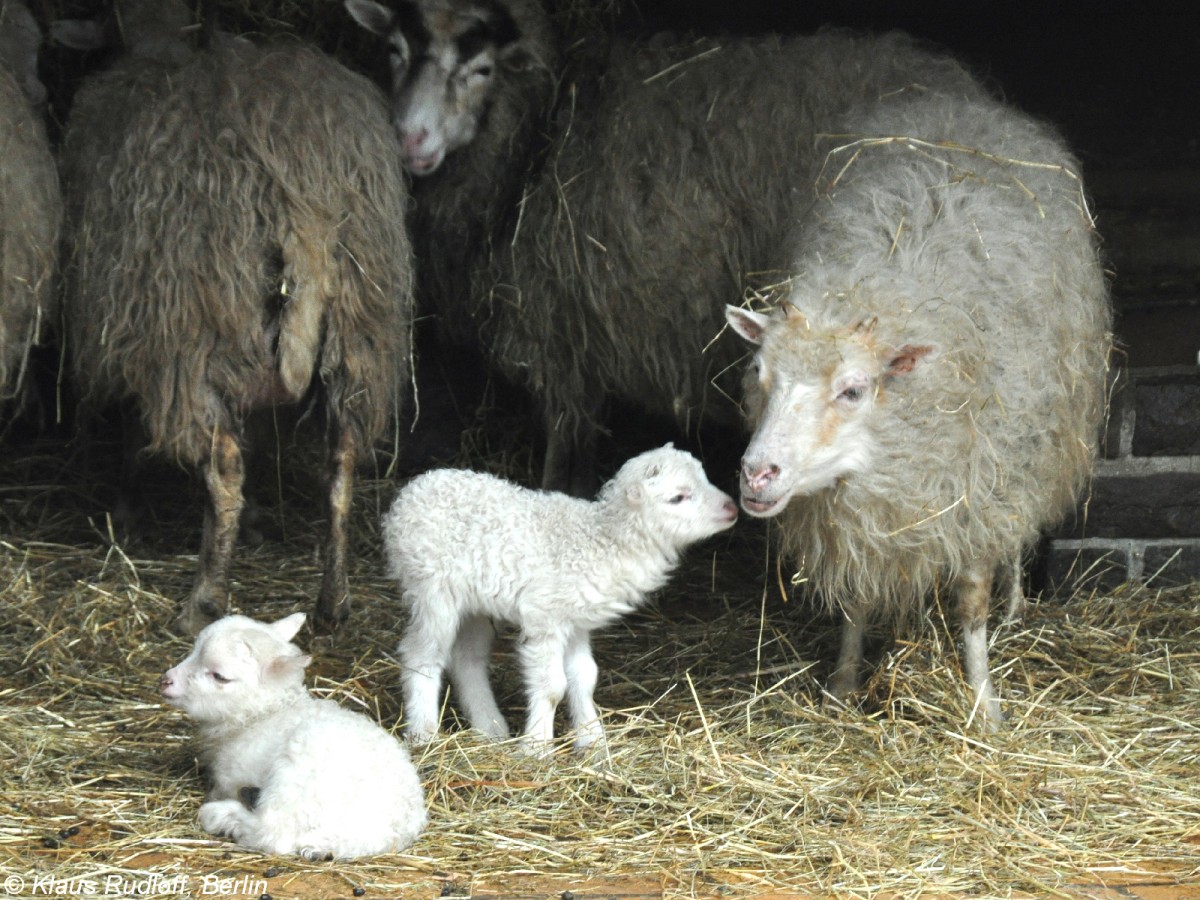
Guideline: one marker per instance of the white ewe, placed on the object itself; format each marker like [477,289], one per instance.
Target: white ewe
[467,548]
[289,773]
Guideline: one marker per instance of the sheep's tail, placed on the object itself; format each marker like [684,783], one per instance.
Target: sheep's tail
[306,296]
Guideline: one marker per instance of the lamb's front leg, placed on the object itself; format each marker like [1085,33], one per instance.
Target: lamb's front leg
[974,596]
[542,664]
[424,652]
[226,818]
[581,671]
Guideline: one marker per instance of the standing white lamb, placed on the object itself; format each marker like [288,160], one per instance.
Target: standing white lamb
[467,547]
[289,773]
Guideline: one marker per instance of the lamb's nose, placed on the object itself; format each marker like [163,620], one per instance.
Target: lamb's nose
[165,683]
[758,478]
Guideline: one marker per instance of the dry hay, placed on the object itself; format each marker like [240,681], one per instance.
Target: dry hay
[726,776]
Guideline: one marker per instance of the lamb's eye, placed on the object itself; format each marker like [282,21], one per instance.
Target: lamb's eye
[851,394]
[678,498]
[219,678]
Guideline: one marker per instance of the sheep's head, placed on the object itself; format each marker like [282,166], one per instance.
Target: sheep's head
[812,394]
[237,668]
[444,58]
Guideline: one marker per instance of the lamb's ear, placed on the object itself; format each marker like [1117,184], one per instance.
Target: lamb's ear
[749,325]
[375,17]
[635,494]
[287,628]
[286,665]
[904,359]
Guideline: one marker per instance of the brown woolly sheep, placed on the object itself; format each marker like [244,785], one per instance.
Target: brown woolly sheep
[30,202]
[239,222]
[665,192]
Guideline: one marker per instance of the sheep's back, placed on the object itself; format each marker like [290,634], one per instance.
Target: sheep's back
[248,183]
[30,219]
[667,201]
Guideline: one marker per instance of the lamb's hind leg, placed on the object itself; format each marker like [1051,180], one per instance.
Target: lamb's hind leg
[469,675]
[333,604]
[974,591]
[223,475]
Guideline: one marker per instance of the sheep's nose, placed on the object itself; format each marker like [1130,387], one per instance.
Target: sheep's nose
[165,683]
[758,478]
[413,140]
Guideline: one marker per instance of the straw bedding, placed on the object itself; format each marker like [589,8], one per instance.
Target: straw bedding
[727,777]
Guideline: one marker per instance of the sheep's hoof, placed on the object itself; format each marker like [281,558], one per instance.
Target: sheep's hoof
[195,615]
[327,621]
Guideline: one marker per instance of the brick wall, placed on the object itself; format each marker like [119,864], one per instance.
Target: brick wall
[1142,517]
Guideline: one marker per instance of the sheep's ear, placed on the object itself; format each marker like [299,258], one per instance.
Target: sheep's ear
[80,34]
[905,359]
[635,494]
[375,17]
[287,628]
[749,325]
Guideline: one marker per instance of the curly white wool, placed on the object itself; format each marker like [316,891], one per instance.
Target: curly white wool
[290,773]
[467,547]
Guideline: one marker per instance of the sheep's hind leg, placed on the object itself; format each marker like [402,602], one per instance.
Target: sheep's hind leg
[469,675]
[223,475]
[974,596]
[333,604]
[581,672]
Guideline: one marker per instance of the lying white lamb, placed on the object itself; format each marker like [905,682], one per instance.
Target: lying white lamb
[467,548]
[289,773]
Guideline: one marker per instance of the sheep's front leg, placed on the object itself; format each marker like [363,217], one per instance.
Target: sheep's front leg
[542,664]
[223,475]
[844,681]
[333,604]
[469,675]
[570,462]
[974,596]
[581,672]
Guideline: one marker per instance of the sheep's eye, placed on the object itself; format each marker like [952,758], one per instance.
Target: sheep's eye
[219,678]
[678,498]
[851,394]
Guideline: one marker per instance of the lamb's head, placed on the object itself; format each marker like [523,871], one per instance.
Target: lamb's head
[813,395]
[445,58]
[667,490]
[237,668]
